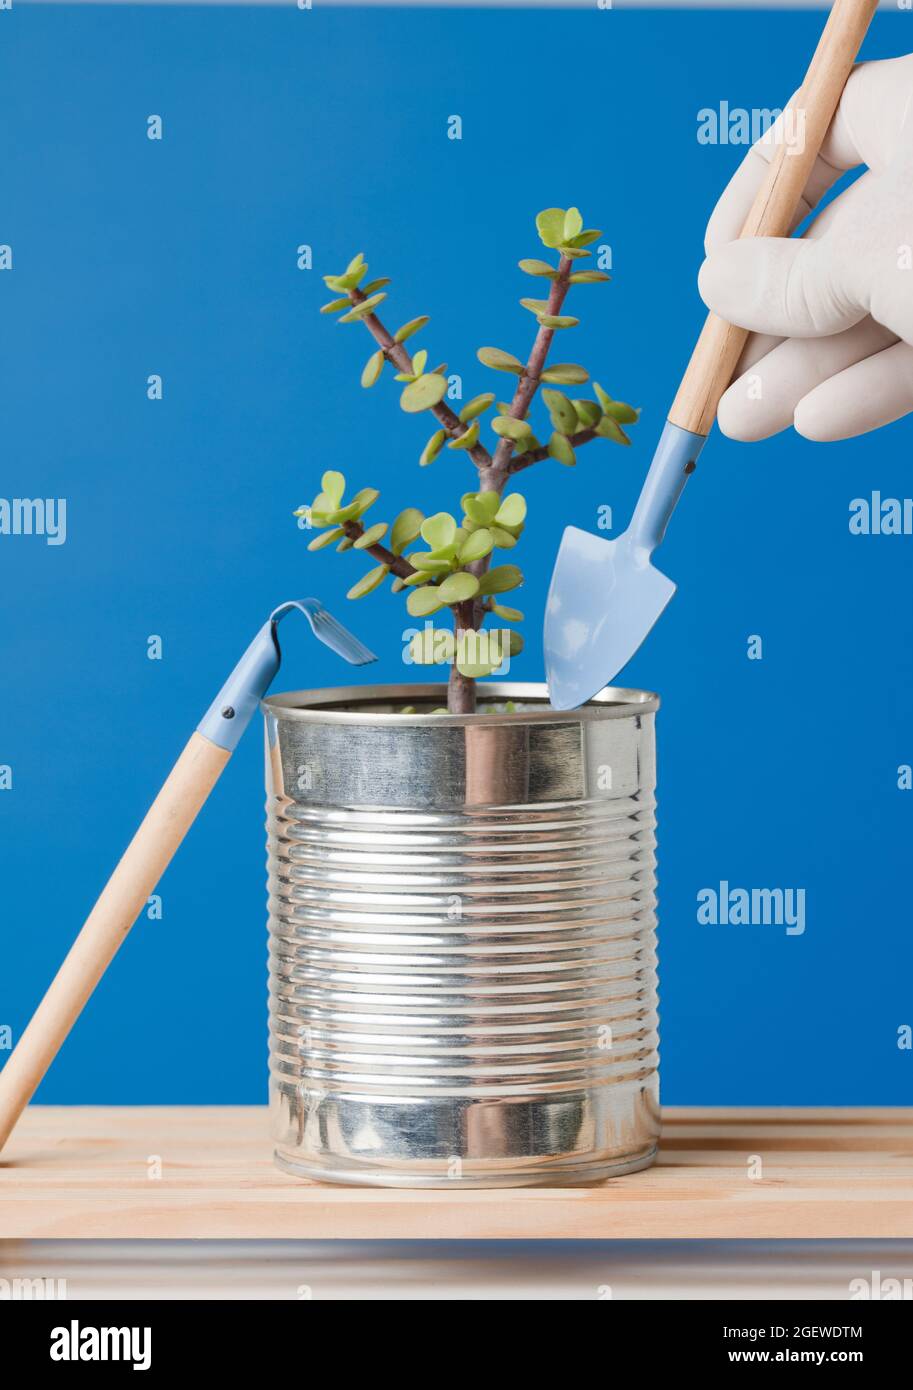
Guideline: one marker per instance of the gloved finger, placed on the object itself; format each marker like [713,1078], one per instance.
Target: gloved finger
[866,129]
[869,394]
[757,345]
[793,288]
[732,208]
[763,400]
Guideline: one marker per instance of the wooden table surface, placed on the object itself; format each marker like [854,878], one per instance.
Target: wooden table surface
[207,1172]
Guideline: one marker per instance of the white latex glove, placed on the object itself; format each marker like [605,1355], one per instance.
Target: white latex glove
[836,306]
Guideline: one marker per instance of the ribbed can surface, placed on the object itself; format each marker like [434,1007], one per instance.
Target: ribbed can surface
[462,937]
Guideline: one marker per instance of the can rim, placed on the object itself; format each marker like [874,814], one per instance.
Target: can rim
[313,706]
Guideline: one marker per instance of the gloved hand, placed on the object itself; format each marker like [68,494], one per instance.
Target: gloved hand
[832,312]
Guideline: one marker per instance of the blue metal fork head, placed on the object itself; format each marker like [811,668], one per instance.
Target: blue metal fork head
[233,708]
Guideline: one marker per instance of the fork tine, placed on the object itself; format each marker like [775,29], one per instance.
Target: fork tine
[328,630]
[332,633]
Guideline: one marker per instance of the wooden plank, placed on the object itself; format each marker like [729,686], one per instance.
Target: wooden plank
[207,1172]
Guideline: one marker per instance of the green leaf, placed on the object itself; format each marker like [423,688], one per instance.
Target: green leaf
[468,440]
[499,360]
[420,577]
[344,544]
[371,536]
[512,511]
[515,644]
[419,362]
[369,582]
[535,306]
[540,268]
[501,579]
[409,328]
[481,506]
[432,448]
[562,412]
[587,237]
[610,429]
[557,320]
[565,374]
[588,277]
[356,263]
[406,527]
[510,615]
[396,584]
[480,653]
[334,486]
[353,274]
[431,562]
[510,428]
[373,368]
[573,253]
[376,285]
[362,500]
[459,587]
[477,545]
[335,305]
[428,391]
[503,539]
[477,406]
[560,448]
[474,670]
[360,311]
[624,414]
[327,538]
[433,647]
[588,413]
[573,224]
[421,603]
[550,226]
[439,531]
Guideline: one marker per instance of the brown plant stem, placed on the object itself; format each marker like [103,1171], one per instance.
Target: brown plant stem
[522,461]
[495,475]
[461,690]
[401,359]
[398,564]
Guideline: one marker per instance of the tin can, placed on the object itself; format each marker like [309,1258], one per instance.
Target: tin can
[462,937]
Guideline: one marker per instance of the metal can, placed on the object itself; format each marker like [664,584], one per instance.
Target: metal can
[462,936]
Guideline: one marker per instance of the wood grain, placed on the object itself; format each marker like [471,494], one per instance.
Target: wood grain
[720,344]
[79,1173]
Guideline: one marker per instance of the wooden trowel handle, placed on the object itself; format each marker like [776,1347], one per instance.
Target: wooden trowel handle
[720,344]
[144,861]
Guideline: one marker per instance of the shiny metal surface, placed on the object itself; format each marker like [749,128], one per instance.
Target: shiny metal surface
[462,953]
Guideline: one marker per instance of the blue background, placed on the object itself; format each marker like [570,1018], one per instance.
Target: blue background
[284,127]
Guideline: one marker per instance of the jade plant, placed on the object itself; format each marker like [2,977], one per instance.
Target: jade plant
[439,562]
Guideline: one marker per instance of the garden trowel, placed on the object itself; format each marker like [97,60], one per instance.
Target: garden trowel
[605,595]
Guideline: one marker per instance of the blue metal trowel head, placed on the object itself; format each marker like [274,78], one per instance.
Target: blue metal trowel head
[606,595]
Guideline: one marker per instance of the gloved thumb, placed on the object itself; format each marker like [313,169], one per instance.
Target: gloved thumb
[787,287]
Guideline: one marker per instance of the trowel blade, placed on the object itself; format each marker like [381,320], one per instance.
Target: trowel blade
[604,598]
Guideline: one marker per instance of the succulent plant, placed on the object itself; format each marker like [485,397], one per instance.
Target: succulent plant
[454,563]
